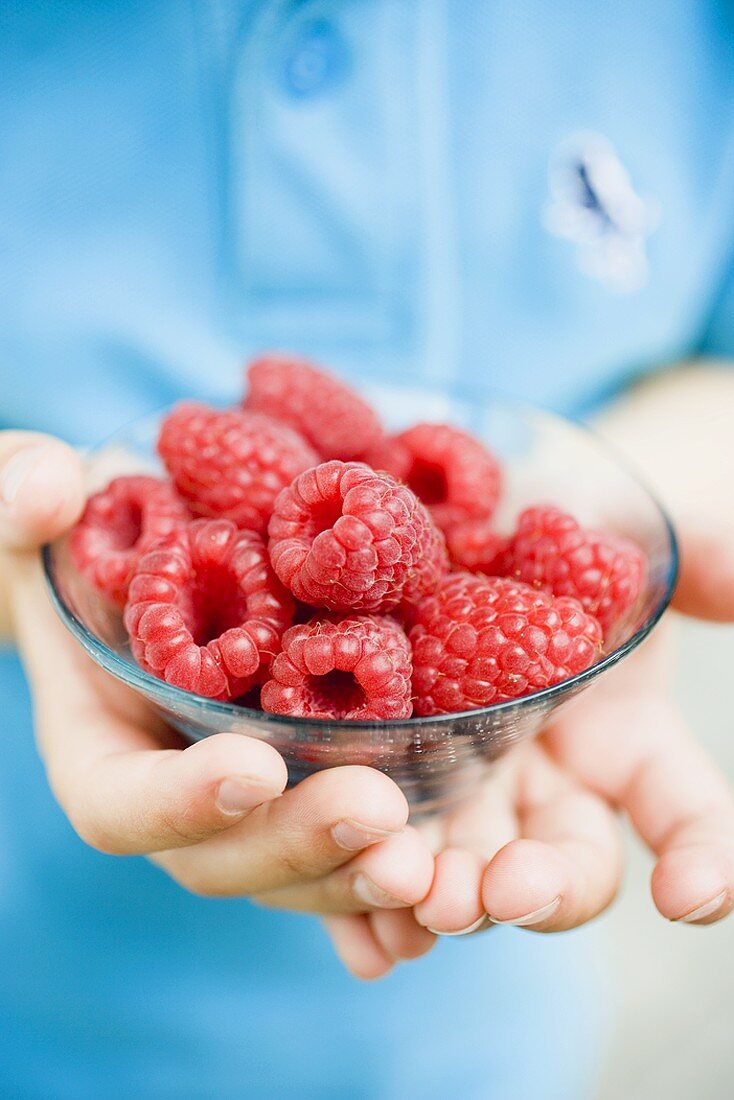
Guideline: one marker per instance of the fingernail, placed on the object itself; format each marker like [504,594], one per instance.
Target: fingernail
[529,919]
[237,796]
[371,894]
[17,470]
[702,911]
[353,836]
[481,923]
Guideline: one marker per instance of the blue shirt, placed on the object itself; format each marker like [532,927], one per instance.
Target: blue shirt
[531,197]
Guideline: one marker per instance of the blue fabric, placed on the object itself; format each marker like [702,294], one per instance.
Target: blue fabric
[718,335]
[367,182]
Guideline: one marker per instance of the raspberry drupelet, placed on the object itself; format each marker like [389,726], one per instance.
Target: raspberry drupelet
[353,669]
[476,546]
[230,464]
[205,611]
[453,473]
[603,571]
[390,455]
[484,640]
[327,412]
[118,525]
[347,538]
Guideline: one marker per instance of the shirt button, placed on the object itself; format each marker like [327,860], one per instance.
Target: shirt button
[318,59]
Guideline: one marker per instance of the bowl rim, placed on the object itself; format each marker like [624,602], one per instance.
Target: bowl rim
[133,676]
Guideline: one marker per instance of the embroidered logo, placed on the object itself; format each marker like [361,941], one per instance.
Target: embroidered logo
[593,203]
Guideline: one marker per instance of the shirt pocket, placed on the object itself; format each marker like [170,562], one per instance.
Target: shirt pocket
[319,228]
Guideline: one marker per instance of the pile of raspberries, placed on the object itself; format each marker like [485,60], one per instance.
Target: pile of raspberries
[298,549]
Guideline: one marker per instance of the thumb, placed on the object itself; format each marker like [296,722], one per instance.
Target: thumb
[41,489]
[706,584]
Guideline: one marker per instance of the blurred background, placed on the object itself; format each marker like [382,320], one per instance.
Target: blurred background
[673,1032]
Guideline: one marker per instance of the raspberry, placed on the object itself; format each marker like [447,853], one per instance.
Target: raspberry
[354,669]
[204,611]
[605,572]
[476,546]
[327,412]
[484,640]
[117,525]
[390,455]
[347,538]
[231,464]
[452,473]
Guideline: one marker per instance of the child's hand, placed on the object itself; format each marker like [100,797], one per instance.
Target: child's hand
[212,815]
[540,847]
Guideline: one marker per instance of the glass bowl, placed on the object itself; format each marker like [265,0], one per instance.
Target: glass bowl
[438,762]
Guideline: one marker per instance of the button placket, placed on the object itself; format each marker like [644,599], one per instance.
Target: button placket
[320,203]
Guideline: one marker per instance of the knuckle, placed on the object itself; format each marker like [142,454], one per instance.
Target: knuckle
[185,828]
[292,857]
[299,864]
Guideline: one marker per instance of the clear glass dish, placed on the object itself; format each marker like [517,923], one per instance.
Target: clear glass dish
[437,762]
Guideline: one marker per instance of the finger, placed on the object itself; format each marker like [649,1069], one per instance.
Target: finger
[290,844]
[102,748]
[682,806]
[356,945]
[454,905]
[126,799]
[472,835]
[694,883]
[400,935]
[706,581]
[566,867]
[142,802]
[41,488]
[489,820]
[395,874]
[638,754]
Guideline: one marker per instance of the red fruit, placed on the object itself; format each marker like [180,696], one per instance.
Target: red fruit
[347,538]
[476,546]
[605,572]
[117,525]
[452,473]
[231,464]
[328,413]
[484,640]
[356,669]
[204,610]
[389,454]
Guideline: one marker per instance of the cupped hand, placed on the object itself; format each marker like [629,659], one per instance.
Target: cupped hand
[214,815]
[539,846]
